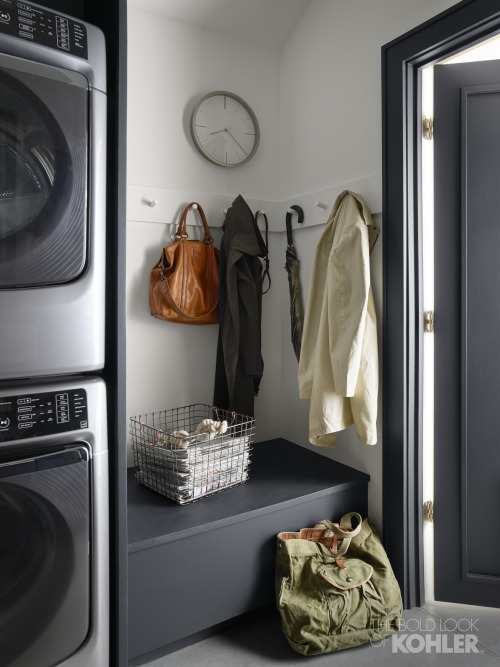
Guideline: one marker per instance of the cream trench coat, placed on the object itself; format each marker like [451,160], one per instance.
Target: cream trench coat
[338,367]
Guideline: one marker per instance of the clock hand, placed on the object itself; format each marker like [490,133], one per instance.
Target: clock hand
[219,131]
[237,142]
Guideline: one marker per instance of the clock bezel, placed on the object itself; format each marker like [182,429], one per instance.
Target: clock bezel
[250,112]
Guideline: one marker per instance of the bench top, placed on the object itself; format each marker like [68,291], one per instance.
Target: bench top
[281,474]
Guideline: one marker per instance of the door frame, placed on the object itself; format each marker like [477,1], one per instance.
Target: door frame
[460,26]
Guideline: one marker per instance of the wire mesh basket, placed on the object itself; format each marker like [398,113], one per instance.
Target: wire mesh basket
[191,452]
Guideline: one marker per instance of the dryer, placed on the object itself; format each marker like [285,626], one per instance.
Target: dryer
[54,522]
[52,192]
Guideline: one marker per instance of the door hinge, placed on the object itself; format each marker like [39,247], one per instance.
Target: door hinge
[429,511]
[427,127]
[429,321]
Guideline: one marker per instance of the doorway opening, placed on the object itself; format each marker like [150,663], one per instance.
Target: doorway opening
[486,50]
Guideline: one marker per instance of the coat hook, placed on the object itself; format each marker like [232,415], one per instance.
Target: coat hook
[153,203]
[321,204]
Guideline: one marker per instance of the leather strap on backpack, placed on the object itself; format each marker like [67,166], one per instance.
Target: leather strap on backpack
[346,532]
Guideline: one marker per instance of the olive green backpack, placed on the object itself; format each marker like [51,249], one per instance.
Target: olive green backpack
[335,587]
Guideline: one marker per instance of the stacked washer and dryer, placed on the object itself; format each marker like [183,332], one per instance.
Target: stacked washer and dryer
[54,523]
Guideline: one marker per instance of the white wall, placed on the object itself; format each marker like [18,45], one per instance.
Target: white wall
[330,81]
[172,65]
[319,107]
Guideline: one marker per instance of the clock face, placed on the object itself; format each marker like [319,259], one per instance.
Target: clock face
[225,129]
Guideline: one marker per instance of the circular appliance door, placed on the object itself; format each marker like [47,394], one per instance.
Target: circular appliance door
[44,558]
[43,174]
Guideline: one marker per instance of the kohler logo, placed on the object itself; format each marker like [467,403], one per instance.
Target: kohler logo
[431,636]
[445,642]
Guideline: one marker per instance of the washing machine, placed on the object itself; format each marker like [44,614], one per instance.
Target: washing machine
[54,552]
[52,192]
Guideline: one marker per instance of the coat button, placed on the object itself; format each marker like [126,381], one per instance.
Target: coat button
[349,579]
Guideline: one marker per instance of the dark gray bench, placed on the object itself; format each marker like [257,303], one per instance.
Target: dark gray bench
[194,567]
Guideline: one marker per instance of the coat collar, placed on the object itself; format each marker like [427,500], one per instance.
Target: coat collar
[373,231]
[241,229]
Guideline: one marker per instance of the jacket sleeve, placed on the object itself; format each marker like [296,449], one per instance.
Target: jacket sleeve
[250,307]
[348,284]
[312,319]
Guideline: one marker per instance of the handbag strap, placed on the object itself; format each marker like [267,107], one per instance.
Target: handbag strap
[168,298]
[182,229]
[266,258]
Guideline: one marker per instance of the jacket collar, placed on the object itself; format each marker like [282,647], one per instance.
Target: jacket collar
[373,230]
[241,229]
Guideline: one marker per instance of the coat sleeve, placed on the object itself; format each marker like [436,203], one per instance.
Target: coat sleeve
[250,307]
[312,318]
[348,284]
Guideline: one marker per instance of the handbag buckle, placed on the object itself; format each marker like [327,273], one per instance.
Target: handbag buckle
[181,237]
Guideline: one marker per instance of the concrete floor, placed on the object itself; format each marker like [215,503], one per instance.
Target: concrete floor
[431,635]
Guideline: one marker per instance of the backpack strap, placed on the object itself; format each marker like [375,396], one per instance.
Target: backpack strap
[345,531]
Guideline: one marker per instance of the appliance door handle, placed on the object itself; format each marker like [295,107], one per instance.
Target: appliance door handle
[59,459]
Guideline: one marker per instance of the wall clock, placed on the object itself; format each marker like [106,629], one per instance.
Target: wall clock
[225,129]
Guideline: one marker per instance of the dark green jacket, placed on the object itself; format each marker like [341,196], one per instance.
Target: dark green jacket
[239,365]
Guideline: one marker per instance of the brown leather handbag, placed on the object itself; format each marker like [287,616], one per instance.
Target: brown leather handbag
[184,284]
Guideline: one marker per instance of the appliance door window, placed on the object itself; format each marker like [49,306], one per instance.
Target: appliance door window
[44,557]
[43,174]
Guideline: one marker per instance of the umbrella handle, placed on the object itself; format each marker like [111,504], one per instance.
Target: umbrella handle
[300,213]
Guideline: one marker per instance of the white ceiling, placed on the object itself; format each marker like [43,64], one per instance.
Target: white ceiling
[266,23]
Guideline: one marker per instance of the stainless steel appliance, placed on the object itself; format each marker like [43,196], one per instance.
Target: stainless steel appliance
[54,553]
[52,193]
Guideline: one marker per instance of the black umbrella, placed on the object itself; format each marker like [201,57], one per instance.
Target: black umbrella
[292,266]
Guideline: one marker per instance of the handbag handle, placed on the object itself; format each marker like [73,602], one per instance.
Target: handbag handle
[182,231]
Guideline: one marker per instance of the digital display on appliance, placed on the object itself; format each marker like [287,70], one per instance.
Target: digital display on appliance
[31,415]
[37,24]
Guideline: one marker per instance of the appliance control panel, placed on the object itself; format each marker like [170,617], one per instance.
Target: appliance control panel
[42,26]
[31,415]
